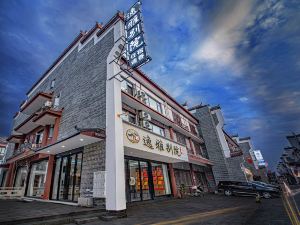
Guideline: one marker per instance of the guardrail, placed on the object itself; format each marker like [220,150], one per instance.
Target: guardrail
[11,192]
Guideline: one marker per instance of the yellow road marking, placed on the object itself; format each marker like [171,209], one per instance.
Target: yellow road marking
[287,211]
[193,217]
[291,211]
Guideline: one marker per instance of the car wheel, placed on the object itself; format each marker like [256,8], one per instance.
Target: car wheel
[266,195]
[228,192]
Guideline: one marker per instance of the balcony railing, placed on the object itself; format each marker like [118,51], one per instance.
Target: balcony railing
[27,146]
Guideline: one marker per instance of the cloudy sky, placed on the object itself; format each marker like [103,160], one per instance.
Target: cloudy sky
[243,55]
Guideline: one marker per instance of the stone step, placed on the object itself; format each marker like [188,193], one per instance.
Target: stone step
[86,220]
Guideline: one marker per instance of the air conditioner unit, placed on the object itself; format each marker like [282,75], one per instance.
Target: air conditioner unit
[145,116]
[147,125]
[141,95]
[48,104]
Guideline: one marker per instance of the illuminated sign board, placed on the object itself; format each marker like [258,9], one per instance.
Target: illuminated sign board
[136,53]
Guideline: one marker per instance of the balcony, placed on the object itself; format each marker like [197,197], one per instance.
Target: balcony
[139,142]
[26,146]
[45,117]
[35,103]
[16,138]
[137,104]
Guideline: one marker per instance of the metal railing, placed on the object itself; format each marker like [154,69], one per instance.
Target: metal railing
[11,192]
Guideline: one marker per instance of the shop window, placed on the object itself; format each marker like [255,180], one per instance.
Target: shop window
[160,179]
[37,179]
[20,179]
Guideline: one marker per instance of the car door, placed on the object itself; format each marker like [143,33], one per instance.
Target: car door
[244,188]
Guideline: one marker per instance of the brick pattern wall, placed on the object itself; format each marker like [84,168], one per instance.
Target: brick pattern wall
[93,161]
[235,171]
[214,150]
[81,82]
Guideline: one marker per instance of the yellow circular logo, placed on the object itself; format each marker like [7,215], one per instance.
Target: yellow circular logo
[133,136]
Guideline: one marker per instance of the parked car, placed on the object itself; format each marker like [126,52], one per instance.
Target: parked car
[266,185]
[246,189]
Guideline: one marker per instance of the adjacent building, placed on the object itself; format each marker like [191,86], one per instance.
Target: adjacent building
[3,147]
[222,149]
[90,131]
[254,164]
[289,165]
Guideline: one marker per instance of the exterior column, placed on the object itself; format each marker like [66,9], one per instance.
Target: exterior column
[55,130]
[192,174]
[49,177]
[45,136]
[10,175]
[173,180]
[192,146]
[114,157]
[172,174]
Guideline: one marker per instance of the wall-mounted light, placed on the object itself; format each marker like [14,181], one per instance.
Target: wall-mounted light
[123,115]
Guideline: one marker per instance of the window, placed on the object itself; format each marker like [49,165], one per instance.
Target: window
[56,100]
[158,130]
[193,129]
[51,129]
[180,138]
[39,137]
[128,87]
[2,150]
[52,84]
[197,148]
[154,104]
[130,117]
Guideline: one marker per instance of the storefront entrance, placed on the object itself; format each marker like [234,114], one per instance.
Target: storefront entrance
[37,179]
[67,177]
[146,179]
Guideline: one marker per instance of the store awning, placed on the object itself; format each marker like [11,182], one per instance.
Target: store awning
[35,103]
[80,139]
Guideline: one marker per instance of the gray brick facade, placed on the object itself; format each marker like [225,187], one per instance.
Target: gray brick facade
[215,153]
[93,161]
[80,80]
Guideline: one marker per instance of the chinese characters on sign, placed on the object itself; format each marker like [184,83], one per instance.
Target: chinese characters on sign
[135,42]
[174,150]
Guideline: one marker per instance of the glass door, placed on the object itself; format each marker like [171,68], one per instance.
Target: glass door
[145,178]
[67,178]
[134,181]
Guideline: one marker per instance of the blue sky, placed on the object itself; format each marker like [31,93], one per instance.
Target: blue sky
[243,55]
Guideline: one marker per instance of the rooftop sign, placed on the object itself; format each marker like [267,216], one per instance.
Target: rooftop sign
[136,53]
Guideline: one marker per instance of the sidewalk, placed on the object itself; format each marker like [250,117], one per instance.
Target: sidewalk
[17,211]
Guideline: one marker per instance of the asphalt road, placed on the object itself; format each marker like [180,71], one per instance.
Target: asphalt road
[210,210]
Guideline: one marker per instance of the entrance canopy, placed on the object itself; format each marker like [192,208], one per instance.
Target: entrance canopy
[139,142]
[81,138]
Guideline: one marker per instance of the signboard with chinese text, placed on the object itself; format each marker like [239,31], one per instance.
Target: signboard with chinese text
[148,142]
[136,53]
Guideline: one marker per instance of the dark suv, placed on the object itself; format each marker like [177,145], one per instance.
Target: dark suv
[246,189]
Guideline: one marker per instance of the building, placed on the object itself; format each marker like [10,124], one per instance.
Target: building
[289,166]
[254,163]
[3,146]
[222,149]
[90,132]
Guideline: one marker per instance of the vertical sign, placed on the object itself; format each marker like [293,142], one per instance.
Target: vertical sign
[135,42]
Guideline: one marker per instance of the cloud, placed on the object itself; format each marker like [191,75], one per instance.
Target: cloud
[243,99]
